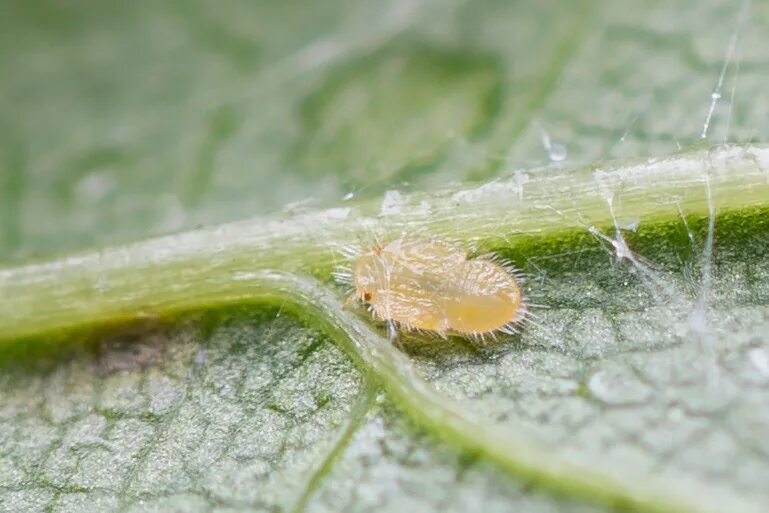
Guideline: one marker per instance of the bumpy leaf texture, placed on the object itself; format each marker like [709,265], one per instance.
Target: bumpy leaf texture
[124,120]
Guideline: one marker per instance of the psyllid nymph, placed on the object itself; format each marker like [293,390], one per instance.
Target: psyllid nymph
[434,287]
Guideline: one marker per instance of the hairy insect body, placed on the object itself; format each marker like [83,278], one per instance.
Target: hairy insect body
[433,286]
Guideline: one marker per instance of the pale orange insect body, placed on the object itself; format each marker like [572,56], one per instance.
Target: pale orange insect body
[432,286]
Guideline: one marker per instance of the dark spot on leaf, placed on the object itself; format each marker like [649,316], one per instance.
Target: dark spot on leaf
[131,351]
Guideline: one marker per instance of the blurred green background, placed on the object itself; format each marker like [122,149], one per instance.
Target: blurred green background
[120,120]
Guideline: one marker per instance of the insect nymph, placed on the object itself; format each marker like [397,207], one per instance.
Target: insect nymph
[432,286]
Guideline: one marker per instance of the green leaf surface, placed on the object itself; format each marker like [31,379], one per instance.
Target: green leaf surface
[215,369]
